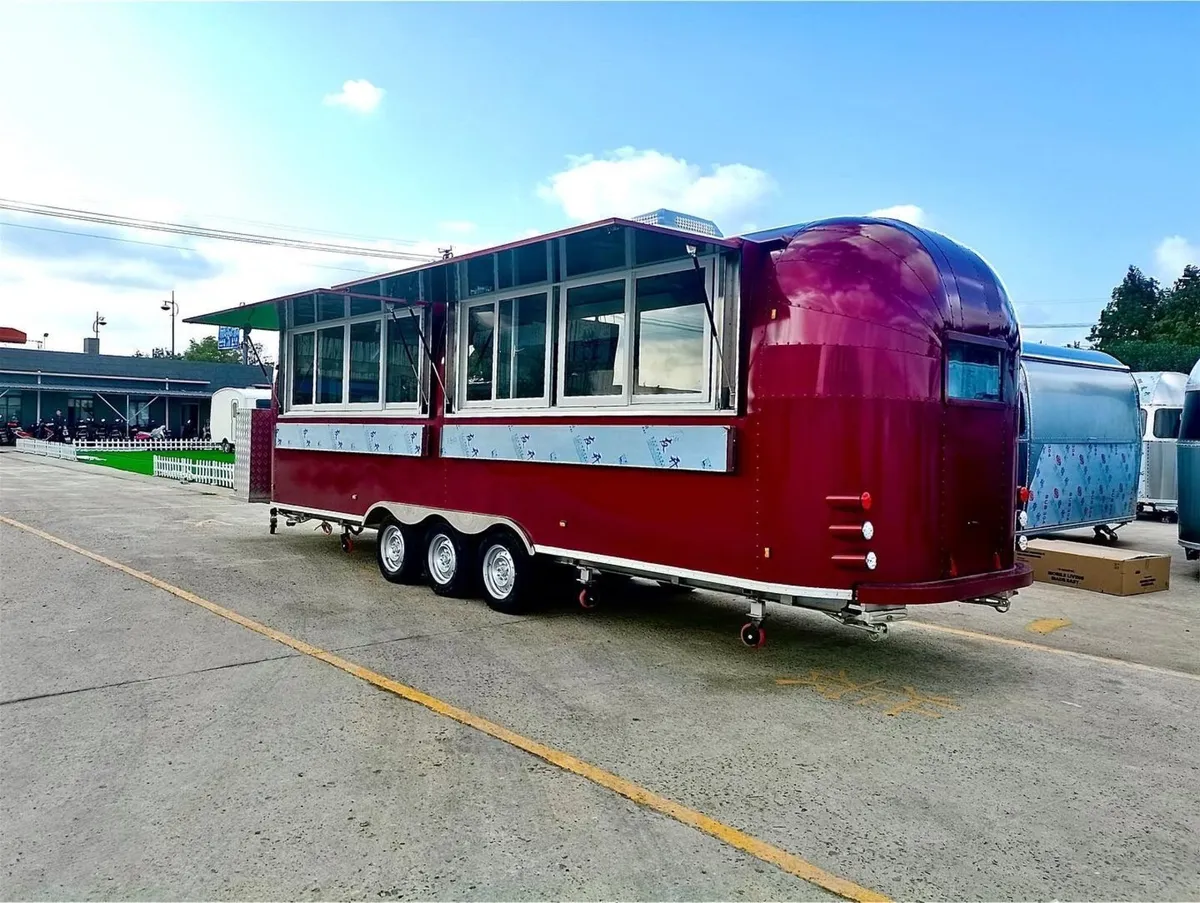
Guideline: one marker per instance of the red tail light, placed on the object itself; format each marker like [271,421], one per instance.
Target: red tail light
[865,499]
[996,561]
[1024,494]
[953,567]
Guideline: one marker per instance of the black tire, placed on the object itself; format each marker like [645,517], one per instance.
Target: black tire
[406,567]
[225,446]
[506,574]
[449,561]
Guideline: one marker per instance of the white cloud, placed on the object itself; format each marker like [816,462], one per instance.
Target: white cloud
[909,213]
[458,226]
[357,94]
[627,182]
[1172,255]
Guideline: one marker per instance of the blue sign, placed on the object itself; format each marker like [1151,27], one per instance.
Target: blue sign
[228,337]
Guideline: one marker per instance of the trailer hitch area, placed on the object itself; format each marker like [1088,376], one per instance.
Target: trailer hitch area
[874,619]
[999,601]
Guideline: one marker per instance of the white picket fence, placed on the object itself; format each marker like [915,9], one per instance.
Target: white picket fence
[46,449]
[149,445]
[212,473]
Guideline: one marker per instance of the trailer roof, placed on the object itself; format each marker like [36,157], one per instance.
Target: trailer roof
[267,314]
[1081,357]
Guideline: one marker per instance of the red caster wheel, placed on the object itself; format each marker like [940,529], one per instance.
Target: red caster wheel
[347,544]
[753,635]
[586,600]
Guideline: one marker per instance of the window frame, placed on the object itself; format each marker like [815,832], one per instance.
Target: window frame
[493,301]
[1003,365]
[383,317]
[628,398]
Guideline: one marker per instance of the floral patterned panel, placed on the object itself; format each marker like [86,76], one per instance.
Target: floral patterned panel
[1078,483]
[663,447]
[362,438]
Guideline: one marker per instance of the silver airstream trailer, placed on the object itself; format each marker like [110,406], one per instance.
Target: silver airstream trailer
[1080,441]
[1160,395]
[1188,457]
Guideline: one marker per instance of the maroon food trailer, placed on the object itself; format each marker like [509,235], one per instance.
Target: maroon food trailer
[823,415]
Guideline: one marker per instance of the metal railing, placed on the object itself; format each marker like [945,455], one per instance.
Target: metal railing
[212,473]
[46,449]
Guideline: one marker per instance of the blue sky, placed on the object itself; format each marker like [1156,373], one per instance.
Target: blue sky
[1060,141]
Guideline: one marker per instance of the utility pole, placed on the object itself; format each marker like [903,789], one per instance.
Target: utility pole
[174,309]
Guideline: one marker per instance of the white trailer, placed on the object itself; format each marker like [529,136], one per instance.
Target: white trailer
[1160,395]
[225,406]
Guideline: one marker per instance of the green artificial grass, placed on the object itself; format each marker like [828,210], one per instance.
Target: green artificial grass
[143,461]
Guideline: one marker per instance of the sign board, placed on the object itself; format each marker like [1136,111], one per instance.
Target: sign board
[229,337]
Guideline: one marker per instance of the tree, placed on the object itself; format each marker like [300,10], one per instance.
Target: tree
[1132,314]
[206,350]
[1179,318]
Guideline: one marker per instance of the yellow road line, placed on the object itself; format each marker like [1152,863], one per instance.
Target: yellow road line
[1054,650]
[788,862]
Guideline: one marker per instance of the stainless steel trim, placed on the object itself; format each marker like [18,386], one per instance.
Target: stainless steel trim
[711,579]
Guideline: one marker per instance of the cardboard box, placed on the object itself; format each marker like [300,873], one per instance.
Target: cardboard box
[1118,572]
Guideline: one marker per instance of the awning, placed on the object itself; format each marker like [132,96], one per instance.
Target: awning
[269,314]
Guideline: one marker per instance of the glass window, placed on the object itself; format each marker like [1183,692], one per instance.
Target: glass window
[330,307]
[303,311]
[655,247]
[405,287]
[364,362]
[303,346]
[481,275]
[1166,423]
[1142,412]
[1189,425]
[973,372]
[329,364]
[595,340]
[599,249]
[671,332]
[360,306]
[10,407]
[523,266]
[481,328]
[521,367]
[403,360]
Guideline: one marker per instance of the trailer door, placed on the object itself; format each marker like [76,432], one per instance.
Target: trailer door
[979,457]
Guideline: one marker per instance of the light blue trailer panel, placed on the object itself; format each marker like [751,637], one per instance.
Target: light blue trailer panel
[1188,451]
[1081,440]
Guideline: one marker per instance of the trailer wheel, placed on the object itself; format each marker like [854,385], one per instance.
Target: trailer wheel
[225,446]
[506,572]
[397,552]
[753,635]
[448,562]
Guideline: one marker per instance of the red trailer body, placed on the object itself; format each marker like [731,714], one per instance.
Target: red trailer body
[862,381]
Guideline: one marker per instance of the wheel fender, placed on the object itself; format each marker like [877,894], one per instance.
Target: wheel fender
[465,522]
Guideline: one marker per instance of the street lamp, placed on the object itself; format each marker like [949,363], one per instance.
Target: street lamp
[173,308]
[96,324]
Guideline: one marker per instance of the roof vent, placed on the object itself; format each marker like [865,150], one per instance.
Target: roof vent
[673,219]
[91,345]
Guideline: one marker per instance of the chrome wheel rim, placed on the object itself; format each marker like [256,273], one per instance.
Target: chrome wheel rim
[499,572]
[443,560]
[391,545]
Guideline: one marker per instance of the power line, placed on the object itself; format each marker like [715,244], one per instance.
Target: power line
[127,222]
[150,244]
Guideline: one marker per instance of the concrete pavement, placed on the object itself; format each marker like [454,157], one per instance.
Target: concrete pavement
[145,740]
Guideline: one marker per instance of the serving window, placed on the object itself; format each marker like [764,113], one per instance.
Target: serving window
[347,353]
